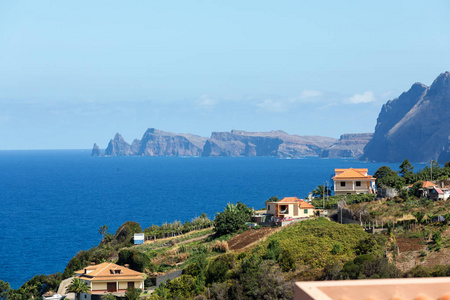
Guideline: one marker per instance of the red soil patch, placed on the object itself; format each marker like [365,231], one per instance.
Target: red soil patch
[408,244]
[248,237]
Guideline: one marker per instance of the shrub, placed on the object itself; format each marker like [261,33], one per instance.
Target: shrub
[287,261]
[336,248]
[273,250]
[138,261]
[418,271]
[182,287]
[216,271]
[367,245]
[232,219]
[220,246]
[109,296]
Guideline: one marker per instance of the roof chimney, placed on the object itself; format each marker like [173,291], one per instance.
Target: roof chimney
[92,263]
[126,265]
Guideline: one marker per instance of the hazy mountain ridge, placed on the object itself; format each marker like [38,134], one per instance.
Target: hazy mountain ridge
[415,125]
[350,145]
[236,143]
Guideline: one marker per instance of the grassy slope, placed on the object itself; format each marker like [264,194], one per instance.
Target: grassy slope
[311,241]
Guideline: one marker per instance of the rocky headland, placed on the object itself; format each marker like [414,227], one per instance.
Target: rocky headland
[416,125]
[156,142]
[236,143]
[350,145]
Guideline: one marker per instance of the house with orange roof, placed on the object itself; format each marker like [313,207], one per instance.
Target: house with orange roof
[425,184]
[107,278]
[353,181]
[290,207]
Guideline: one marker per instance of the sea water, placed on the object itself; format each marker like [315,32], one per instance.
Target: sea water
[52,203]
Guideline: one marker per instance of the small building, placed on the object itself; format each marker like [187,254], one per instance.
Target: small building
[353,181]
[290,207]
[107,278]
[139,238]
[436,193]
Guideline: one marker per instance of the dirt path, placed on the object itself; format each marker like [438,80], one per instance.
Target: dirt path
[178,236]
[195,239]
[249,237]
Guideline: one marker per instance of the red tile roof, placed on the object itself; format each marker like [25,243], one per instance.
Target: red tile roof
[301,203]
[352,174]
[109,271]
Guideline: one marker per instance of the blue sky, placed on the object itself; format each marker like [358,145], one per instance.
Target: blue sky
[76,72]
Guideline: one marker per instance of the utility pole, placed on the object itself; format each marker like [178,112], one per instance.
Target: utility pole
[323,195]
[431,165]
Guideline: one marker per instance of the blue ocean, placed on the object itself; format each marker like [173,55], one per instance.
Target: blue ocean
[54,202]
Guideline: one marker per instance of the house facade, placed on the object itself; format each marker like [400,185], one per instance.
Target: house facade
[107,278]
[290,207]
[353,181]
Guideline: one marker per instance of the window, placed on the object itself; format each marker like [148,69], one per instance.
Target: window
[268,207]
[342,183]
[130,284]
[358,183]
[305,211]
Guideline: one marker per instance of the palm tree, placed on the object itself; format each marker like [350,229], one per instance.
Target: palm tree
[318,192]
[78,286]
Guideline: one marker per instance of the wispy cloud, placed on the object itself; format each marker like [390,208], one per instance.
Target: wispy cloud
[308,94]
[365,97]
[206,101]
[276,106]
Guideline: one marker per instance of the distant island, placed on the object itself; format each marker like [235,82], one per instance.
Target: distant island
[414,125]
[237,143]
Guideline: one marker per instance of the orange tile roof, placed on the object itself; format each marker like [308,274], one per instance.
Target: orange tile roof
[352,173]
[425,184]
[301,203]
[106,271]
[290,199]
[304,204]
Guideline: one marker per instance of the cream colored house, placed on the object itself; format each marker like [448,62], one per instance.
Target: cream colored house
[290,207]
[109,278]
[353,181]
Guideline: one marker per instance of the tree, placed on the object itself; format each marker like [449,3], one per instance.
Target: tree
[232,218]
[109,296]
[272,199]
[386,177]
[5,290]
[319,191]
[138,261]
[103,231]
[78,286]
[132,294]
[407,170]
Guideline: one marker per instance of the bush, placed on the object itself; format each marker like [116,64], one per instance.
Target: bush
[182,287]
[232,219]
[138,261]
[418,271]
[125,233]
[219,246]
[287,261]
[336,248]
[218,268]
[273,250]
[367,245]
